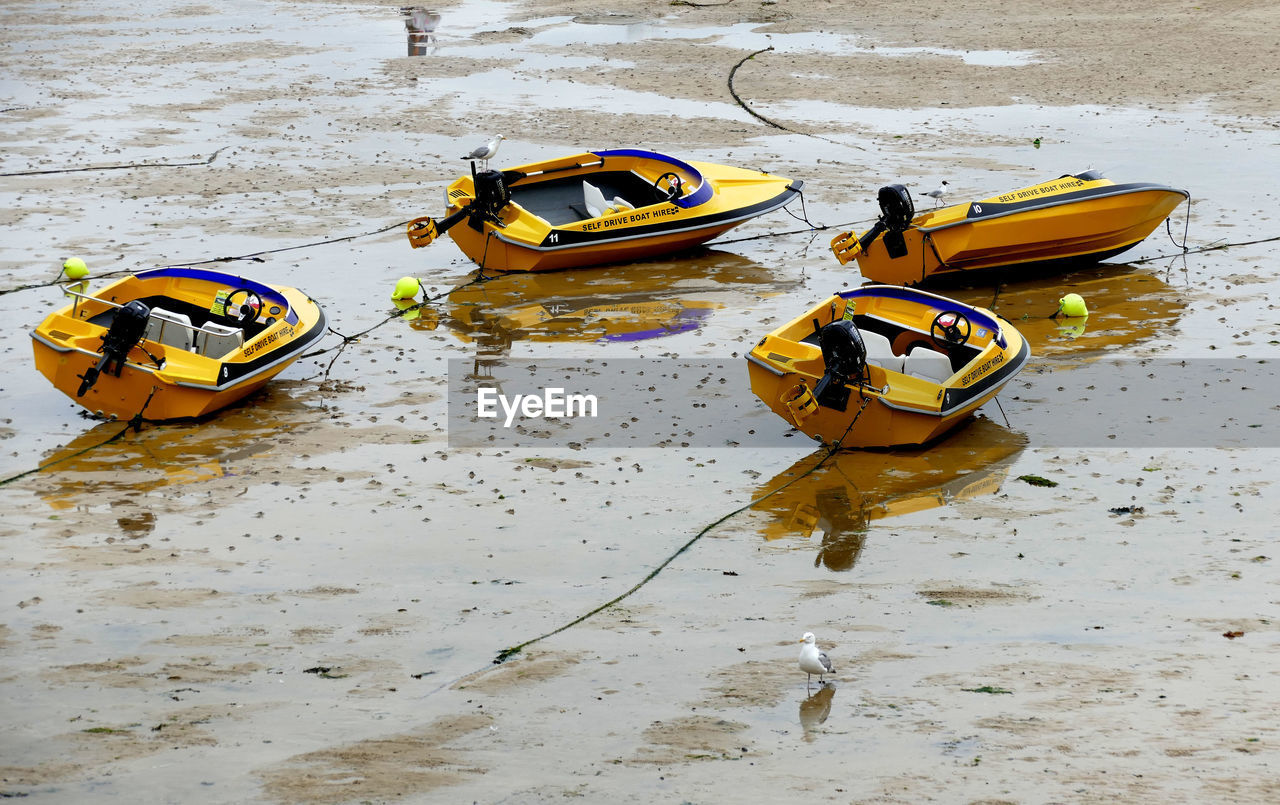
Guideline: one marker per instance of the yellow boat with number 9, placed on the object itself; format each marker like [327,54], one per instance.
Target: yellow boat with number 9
[885,366]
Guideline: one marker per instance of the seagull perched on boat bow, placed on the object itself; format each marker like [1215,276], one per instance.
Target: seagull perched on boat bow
[813,661]
[938,193]
[486,151]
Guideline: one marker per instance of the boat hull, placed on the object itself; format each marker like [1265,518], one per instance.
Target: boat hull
[546,225]
[162,381]
[891,407]
[1063,223]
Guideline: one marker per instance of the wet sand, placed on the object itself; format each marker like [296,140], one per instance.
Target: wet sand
[301,599]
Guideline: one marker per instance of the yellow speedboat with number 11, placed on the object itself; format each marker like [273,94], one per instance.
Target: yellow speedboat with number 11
[596,208]
[885,366]
[173,343]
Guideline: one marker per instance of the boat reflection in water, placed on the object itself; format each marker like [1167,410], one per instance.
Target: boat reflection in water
[1127,305]
[648,300]
[93,468]
[851,490]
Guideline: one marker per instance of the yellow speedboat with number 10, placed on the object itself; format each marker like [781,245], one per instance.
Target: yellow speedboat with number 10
[885,366]
[596,208]
[1069,221]
[173,343]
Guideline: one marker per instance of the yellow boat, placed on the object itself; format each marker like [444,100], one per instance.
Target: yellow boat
[173,343]
[885,366]
[1068,221]
[596,208]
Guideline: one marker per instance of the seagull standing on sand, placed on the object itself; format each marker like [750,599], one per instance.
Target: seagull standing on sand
[937,195]
[486,151]
[813,661]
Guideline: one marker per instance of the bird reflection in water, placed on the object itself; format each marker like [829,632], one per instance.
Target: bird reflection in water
[420,25]
[815,709]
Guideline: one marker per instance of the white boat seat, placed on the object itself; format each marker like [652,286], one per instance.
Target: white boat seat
[880,351]
[169,328]
[620,204]
[927,364]
[594,199]
[215,340]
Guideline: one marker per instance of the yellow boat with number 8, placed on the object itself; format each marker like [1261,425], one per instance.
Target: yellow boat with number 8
[885,366]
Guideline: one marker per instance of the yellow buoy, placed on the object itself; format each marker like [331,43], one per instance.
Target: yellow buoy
[406,288]
[75,268]
[1073,307]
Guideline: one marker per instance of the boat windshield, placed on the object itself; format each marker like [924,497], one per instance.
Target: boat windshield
[269,295]
[699,195]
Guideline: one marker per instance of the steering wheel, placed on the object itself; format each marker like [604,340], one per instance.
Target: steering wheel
[245,313]
[673,187]
[950,328]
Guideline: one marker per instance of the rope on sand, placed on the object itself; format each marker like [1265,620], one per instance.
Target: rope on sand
[129,166]
[254,257]
[766,120]
[135,423]
[831,450]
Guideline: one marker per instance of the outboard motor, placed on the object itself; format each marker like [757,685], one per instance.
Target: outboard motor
[492,194]
[126,330]
[845,358]
[896,212]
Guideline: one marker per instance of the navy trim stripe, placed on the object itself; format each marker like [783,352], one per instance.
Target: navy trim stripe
[267,293]
[236,372]
[975,316]
[958,398]
[700,196]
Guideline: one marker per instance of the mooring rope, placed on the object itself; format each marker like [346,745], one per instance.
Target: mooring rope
[747,108]
[254,256]
[1213,247]
[257,256]
[130,166]
[831,449]
[134,422]
[390,317]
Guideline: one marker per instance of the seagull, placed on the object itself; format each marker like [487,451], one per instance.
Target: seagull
[937,195]
[813,661]
[486,151]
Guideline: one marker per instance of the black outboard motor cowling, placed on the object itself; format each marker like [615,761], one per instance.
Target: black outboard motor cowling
[492,194]
[896,212]
[127,329]
[845,357]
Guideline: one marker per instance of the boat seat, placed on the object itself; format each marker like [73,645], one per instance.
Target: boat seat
[927,364]
[597,205]
[594,199]
[169,328]
[215,340]
[880,351]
